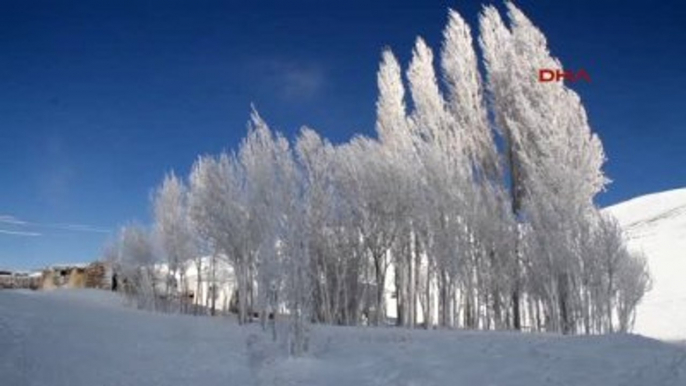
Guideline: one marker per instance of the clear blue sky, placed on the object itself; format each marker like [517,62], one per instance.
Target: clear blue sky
[98,99]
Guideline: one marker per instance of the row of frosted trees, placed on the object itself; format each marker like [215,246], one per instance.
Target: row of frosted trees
[474,204]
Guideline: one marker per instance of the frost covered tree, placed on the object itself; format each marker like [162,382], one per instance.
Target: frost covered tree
[633,281]
[137,263]
[175,235]
[218,209]
[487,247]
[334,263]
[369,185]
[399,143]
[554,160]
[265,193]
[437,143]
[274,186]
[465,96]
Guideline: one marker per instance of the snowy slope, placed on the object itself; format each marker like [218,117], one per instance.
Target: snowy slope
[84,338]
[656,225]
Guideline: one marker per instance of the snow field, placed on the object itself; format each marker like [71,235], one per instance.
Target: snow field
[79,338]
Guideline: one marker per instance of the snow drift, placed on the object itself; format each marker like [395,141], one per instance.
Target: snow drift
[656,225]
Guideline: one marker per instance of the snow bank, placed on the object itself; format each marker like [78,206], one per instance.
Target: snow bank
[84,338]
[656,225]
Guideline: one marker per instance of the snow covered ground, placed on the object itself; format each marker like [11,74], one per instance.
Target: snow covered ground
[75,338]
[656,225]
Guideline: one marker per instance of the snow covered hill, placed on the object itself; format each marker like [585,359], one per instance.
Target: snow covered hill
[82,337]
[656,225]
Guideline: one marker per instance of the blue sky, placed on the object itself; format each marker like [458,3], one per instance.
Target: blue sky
[98,99]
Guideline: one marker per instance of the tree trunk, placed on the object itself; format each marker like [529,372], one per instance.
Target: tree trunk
[515,191]
[198,285]
[399,291]
[415,292]
[213,273]
[428,317]
[380,273]
[411,298]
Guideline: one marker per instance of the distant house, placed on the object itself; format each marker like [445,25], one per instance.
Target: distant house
[64,276]
[6,279]
[12,280]
[93,275]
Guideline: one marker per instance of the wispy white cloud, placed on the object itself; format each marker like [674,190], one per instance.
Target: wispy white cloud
[8,219]
[77,228]
[301,81]
[289,79]
[19,233]
[18,223]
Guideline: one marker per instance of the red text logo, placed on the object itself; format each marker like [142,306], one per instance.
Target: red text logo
[556,75]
